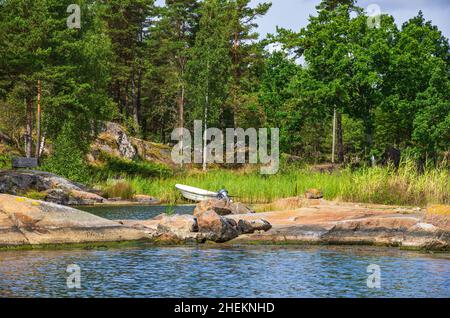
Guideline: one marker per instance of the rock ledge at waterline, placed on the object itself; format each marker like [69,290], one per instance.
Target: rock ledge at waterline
[25,222]
[30,222]
[334,223]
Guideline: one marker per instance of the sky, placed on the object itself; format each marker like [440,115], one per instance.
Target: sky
[293,14]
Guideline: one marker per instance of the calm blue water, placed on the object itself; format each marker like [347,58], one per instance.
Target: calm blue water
[213,272]
[135,212]
[261,271]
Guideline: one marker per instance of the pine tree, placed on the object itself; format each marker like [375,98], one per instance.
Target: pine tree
[72,65]
[245,53]
[210,65]
[170,41]
[127,22]
[24,35]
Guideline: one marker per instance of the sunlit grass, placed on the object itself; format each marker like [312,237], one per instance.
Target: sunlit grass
[122,189]
[383,185]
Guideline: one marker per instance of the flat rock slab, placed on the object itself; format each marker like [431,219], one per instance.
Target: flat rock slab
[332,223]
[31,222]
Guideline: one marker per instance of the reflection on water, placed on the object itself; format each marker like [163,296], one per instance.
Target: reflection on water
[135,212]
[148,271]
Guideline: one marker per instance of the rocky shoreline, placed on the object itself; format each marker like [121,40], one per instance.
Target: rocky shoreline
[25,222]
[30,223]
[56,189]
[349,224]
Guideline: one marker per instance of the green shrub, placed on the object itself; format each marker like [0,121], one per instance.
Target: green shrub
[5,162]
[116,167]
[68,158]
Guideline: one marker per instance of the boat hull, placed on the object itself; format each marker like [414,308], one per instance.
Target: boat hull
[195,194]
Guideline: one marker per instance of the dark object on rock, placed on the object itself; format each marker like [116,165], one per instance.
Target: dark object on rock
[223,195]
[216,228]
[313,194]
[221,207]
[391,155]
[23,162]
[251,226]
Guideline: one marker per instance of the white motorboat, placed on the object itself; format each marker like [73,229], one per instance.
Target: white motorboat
[195,194]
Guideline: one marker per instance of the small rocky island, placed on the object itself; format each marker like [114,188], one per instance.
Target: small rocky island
[31,223]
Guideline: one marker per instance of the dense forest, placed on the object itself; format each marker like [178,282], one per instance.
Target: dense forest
[154,68]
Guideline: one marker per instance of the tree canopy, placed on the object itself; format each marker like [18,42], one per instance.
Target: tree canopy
[154,68]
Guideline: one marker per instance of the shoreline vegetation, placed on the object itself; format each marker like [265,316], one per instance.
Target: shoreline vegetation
[404,186]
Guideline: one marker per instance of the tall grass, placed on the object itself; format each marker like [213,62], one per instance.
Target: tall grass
[406,186]
[121,189]
[383,185]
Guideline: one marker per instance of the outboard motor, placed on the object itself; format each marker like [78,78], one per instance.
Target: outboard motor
[223,195]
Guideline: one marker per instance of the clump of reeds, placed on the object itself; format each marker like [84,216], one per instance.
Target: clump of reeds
[120,189]
[402,186]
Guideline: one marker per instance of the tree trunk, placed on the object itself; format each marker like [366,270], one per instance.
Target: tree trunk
[333,150]
[125,102]
[38,122]
[29,128]
[119,99]
[42,146]
[138,99]
[206,117]
[181,115]
[133,97]
[340,138]
[236,76]
[205,157]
